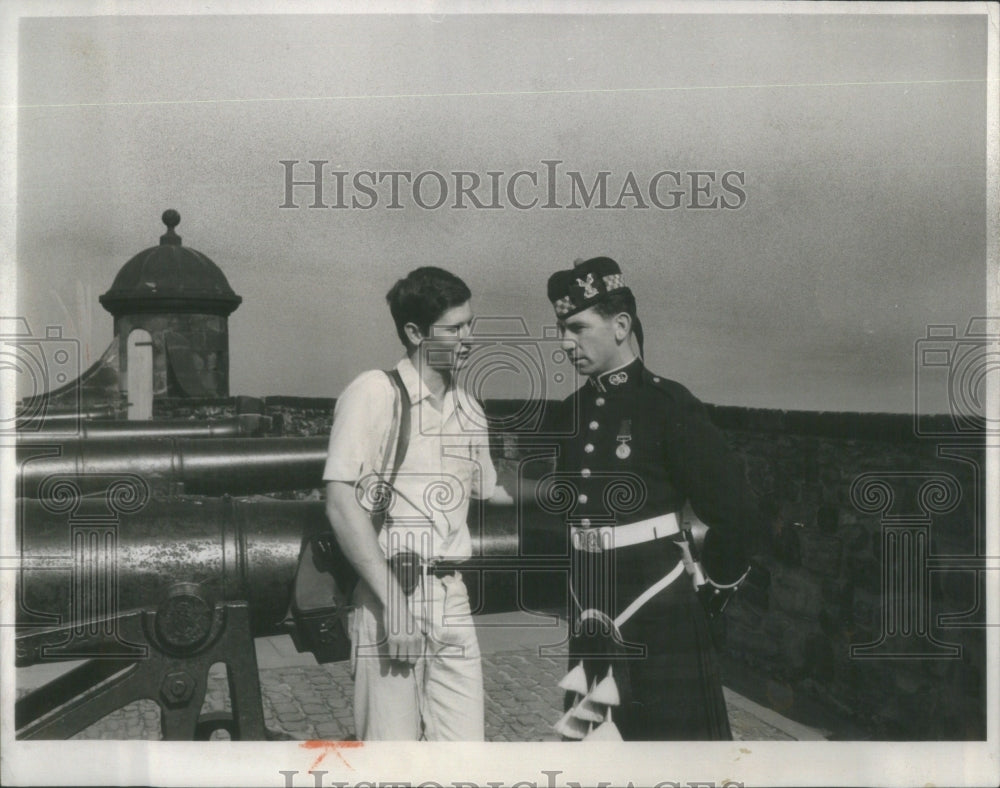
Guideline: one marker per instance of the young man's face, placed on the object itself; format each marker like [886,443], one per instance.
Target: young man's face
[591,341]
[447,345]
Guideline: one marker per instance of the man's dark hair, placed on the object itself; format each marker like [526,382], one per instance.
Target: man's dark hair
[423,296]
[614,303]
[618,302]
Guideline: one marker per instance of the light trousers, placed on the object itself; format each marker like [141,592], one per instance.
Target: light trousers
[440,698]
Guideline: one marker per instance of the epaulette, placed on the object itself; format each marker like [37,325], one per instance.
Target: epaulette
[663,384]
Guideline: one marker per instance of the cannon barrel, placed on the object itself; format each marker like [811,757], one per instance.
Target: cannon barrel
[32,417]
[87,559]
[233,427]
[145,595]
[233,466]
[83,564]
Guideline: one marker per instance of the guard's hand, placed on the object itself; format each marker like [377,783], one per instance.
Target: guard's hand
[405,639]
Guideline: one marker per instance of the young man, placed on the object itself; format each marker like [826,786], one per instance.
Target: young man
[416,659]
[642,446]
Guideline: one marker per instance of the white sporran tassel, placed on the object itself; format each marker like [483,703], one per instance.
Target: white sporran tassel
[586,710]
[606,731]
[575,680]
[571,727]
[606,692]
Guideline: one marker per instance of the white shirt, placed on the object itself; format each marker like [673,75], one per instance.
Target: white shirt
[447,461]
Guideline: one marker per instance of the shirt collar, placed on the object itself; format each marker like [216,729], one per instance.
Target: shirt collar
[417,390]
[414,384]
[620,378]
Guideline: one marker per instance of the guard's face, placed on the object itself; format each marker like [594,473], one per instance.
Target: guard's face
[591,341]
[447,343]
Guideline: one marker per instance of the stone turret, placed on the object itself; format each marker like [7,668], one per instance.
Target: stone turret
[183,300]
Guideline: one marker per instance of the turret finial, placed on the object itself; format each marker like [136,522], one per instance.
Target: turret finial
[171,218]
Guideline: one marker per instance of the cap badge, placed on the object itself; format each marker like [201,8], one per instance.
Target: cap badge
[589,291]
[617,378]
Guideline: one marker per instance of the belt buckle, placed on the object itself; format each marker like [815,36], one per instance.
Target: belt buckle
[589,540]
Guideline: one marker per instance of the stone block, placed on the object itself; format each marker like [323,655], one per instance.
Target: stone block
[866,574]
[908,680]
[796,593]
[741,613]
[742,638]
[856,540]
[786,544]
[819,553]
[331,730]
[866,611]
[819,657]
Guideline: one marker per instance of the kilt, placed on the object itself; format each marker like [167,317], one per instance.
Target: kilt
[671,687]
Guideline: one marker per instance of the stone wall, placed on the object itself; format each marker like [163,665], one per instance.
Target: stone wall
[870,550]
[865,599]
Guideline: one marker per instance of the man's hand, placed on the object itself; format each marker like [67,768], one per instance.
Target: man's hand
[524,489]
[405,639]
[500,497]
[359,543]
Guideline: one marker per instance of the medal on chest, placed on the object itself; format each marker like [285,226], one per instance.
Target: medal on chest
[624,437]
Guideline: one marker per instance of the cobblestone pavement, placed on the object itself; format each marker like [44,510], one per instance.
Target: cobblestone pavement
[314,702]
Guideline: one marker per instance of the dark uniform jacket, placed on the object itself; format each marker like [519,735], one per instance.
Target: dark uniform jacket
[641,446]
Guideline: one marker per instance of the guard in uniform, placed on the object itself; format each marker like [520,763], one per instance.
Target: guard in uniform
[641,447]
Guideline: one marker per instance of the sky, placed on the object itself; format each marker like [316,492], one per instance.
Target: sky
[856,143]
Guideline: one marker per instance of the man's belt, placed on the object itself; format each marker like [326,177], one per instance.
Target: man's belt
[408,567]
[713,595]
[614,537]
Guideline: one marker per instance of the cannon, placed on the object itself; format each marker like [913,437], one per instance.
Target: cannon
[38,415]
[220,466]
[150,589]
[151,593]
[243,425]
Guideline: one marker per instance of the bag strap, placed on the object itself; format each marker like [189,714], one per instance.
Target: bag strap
[402,425]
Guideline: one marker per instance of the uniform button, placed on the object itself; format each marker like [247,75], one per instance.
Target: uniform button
[585,473]
[599,401]
[656,380]
[588,448]
[582,498]
[594,425]
[585,522]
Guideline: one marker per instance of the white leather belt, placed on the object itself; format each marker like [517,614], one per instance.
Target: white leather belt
[614,537]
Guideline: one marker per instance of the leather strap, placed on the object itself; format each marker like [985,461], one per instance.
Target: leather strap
[649,593]
[400,427]
[403,424]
